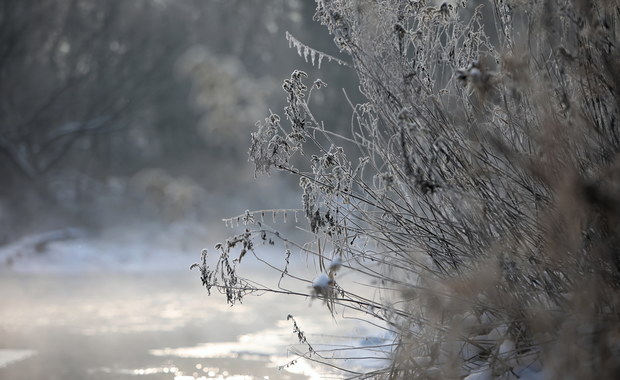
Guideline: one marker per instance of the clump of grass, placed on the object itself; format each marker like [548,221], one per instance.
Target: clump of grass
[478,186]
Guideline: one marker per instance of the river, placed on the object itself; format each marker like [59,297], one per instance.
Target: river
[145,326]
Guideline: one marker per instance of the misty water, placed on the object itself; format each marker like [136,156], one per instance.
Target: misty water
[131,326]
[124,305]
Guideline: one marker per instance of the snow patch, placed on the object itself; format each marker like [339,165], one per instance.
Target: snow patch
[133,248]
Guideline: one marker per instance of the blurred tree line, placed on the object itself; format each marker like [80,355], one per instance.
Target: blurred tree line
[93,93]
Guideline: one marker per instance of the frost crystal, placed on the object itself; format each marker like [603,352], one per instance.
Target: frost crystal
[304,51]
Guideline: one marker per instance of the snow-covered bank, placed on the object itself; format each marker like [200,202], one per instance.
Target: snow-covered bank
[125,248]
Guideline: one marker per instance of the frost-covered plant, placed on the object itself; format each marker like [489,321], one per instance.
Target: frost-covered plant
[479,186]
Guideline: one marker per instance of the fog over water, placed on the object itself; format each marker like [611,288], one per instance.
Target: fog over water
[128,326]
[151,321]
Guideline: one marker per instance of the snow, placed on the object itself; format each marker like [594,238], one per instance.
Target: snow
[507,352]
[530,374]
[147,247]
[485,374]
[320,283]
[35,243]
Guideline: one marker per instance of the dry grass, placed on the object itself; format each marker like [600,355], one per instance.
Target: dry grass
[478,187]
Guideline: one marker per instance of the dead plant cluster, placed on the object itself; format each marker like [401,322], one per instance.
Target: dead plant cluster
[479,186]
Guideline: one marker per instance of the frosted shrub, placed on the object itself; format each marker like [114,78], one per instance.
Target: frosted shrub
[478,187]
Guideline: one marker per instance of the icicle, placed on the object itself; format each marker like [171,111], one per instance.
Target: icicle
[304,50]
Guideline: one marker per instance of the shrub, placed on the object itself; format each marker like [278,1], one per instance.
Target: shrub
[479,185]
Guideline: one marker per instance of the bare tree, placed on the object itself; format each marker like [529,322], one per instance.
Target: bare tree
[93,89]
[71,71]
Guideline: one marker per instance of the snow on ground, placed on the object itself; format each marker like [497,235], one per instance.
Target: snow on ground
[132,248]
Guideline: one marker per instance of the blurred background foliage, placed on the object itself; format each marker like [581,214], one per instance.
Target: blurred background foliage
[143,108]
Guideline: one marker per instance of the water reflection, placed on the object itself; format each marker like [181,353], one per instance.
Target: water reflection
[162,326]
[10,356]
